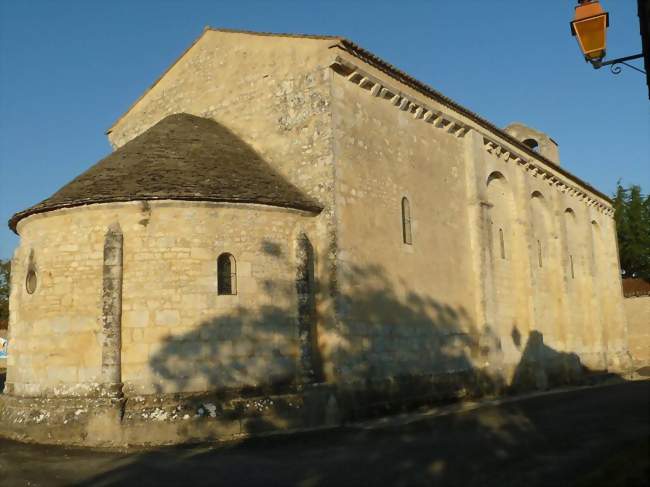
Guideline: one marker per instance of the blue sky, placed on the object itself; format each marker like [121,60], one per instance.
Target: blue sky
[68,69]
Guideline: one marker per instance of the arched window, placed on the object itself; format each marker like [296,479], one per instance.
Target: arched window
[406,222]
[532,143]
[570,221]
[226,274]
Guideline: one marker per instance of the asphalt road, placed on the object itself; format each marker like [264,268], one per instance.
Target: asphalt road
[594,436]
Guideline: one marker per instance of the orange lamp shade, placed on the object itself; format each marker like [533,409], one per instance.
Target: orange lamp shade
[590,26]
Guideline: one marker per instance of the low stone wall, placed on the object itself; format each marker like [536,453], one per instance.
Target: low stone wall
[163,419]
[637,309]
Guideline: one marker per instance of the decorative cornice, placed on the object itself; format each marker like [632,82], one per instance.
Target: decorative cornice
[541,172]
[449,124]
[401,101]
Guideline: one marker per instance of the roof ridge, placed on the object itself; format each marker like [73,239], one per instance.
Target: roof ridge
[273,34]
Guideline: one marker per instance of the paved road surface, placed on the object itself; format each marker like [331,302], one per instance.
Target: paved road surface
[548,440]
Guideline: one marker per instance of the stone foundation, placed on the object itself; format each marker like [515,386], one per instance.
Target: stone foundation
[165,419]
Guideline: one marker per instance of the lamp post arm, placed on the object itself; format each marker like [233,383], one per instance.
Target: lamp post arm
[617,69]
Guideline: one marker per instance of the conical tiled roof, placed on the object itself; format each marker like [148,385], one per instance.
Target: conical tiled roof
[182,157]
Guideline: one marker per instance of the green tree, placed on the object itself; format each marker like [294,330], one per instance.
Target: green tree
[633,229]
[5,272]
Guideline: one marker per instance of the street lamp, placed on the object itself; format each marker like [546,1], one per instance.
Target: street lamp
[589,26]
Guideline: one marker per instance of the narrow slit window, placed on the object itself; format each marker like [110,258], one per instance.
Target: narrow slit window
[226,275]
[406,222]
[31,281]
[539,253]
[573,275]
[502,244]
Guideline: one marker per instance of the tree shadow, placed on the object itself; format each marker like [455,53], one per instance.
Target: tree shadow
[397,351]
[392,349]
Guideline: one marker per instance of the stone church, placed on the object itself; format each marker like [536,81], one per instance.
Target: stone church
[292,232]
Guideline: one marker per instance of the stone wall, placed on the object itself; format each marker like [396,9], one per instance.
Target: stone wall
[511,267]
[637,310]
[178,334]
[274,93]
[406,309]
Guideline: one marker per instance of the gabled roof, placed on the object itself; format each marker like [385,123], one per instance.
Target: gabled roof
[401,76]
[182,157]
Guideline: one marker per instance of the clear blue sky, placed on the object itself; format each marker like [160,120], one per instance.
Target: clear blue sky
[68,69]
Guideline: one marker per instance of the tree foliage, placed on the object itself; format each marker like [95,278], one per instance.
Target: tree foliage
[5,272]
[633,229]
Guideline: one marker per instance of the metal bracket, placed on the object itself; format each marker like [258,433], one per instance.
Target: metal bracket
[615,69]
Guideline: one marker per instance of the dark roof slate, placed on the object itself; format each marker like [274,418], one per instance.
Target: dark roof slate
[182,157]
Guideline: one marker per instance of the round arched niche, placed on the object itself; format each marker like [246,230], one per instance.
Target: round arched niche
[495,176]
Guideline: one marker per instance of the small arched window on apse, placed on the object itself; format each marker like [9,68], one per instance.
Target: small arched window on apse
[407,236]
[532,143]
[226,274]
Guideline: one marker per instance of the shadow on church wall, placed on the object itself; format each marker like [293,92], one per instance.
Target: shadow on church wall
[397,352]
[401,352]
[385,338]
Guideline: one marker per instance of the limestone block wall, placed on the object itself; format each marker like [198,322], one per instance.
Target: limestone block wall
[637,310]
[509,261]
[406,309]
[53,332]
[274,93]
[178,333]
[551,265]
